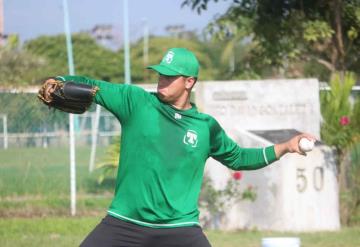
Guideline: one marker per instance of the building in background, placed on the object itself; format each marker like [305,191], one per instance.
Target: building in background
[179,32]
[105,35]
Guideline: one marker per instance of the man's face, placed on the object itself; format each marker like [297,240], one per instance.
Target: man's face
[171,88]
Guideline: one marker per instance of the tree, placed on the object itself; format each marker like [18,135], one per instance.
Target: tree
[237,60]
[90,59]
[290,32]
[158,47]
[98,62]
[17,67]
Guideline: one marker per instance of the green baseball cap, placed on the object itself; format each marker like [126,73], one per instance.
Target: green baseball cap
[177,61]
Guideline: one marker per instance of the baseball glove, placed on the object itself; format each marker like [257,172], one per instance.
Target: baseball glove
[67,96]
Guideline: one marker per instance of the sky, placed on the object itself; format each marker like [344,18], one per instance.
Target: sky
[31,18]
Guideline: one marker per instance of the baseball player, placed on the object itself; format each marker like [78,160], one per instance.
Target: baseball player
[165,143]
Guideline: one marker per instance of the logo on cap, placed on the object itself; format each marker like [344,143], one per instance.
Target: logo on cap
[169,57]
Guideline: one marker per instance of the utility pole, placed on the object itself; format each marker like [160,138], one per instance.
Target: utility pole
[146,48]
[71,116]
[2,35]
[126,43]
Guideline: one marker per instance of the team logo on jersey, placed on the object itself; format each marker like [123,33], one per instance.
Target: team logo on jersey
[191,138]
[169,57]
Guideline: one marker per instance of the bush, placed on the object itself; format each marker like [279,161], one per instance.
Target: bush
[340,129]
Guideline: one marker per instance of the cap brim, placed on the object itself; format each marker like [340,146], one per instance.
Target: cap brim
[161,69]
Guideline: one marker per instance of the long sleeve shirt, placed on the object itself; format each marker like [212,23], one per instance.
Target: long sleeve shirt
[163,154]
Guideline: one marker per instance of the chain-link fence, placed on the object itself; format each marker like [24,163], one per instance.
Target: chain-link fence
[35,157]
[25,122]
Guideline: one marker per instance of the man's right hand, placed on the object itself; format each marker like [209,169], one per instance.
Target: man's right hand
[292,145]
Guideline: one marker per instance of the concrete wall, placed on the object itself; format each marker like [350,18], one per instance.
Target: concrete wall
[295,193]
[259,105]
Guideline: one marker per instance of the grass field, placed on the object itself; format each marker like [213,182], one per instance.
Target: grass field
[38,171]
[70,232]
[35,182]
[34,204]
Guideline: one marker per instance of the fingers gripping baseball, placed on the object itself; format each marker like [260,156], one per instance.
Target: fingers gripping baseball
[301,143]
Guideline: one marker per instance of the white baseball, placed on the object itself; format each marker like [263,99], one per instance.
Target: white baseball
[306,145]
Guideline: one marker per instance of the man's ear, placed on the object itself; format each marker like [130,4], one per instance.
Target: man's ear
[189,83]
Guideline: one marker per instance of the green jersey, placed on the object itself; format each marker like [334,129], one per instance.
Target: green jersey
[163,154]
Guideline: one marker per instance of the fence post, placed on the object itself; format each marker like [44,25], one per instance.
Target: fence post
[5,132]
[94,132]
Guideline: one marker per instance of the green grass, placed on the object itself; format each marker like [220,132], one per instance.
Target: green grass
[38,171]
[34,193]
[347,237]
[62,231]
[45,231]
[36,181]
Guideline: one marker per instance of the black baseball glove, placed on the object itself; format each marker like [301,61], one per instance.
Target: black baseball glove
[67,96]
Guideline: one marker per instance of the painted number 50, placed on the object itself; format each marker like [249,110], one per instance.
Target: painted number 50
[317,179]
